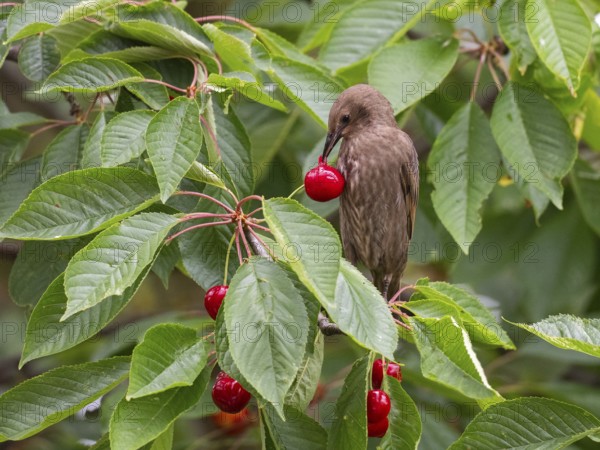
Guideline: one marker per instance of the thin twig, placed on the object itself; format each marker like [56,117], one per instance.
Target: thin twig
[204,215]
[500,60]
[494,74]
[251,213]
[237,246]
[478,74]
[163,83]
[207,197]
[260,227]
[52,125]
[195,227]
[247,199]
[397,295]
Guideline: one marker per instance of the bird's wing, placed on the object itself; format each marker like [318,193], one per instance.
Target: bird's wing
[409,179]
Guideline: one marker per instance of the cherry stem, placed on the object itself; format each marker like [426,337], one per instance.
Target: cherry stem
[219,65]
[203,215]
[195,77]
[402,324]
[204,69]
[397,295]
[298,189]
[224,18]
[262,242]
[227,258]
[478,74]
[94,21]
[500,62]
[237,246]
[207,197]
[195,227]
[244,240]
[471,33]
[53,125]
[170,86]
[211,134]
[247,199]
[494,74]
[9,4]
[250,214]
[260,227]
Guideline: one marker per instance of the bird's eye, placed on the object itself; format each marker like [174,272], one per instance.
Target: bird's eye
[346,118]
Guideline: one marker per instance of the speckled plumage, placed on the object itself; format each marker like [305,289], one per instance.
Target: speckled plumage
[380,165]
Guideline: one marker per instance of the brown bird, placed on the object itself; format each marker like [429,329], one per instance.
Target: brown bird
[380,165]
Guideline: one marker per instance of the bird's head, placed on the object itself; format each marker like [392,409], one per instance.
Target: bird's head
[357,108]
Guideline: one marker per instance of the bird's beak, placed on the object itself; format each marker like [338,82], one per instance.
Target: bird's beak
[332,138]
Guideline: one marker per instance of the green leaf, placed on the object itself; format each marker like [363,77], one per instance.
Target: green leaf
[349,428]
[233,51]
[91,75]
[511,24]
[308,242]
[165,263]
[539,423]
[16,184]
[47,335]
[246,84]
[154,95]
[64,152]
[305,385]
[462,152]
[173,141]
[585,181]
[447,357]
[171,355]
[124,137]
[38,57]
[361,312]
[203,174]
[479,321]
[308,86]
[568,332]
[114,259]
[20,119]
[91,155]
[535,139]
[405,422]
[232,160]
[407,72]
[12,146]
[37,265]
[161,35]
[263,305]
[32,18]
[85,8]
[56,395]
[298,431]
[81,202]
[348,46]
[141,420]
[562,36]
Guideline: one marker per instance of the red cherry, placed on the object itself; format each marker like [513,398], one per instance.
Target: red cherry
[394,370]
[378,429]
[377,373]
[229,395]
[378,405]
[324,183]
[214,298]
[232,424]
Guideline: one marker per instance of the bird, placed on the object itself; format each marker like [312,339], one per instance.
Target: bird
[380,165]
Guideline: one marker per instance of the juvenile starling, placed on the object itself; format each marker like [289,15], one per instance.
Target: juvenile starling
[380,165]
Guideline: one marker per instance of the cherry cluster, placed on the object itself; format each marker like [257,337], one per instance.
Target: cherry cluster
[378,402]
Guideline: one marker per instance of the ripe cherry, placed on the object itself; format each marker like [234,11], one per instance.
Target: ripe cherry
[378,429]
[229,395]
[232,424]
[377,373]
[378,405]
[324,183]
[214,298]
[393,370]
